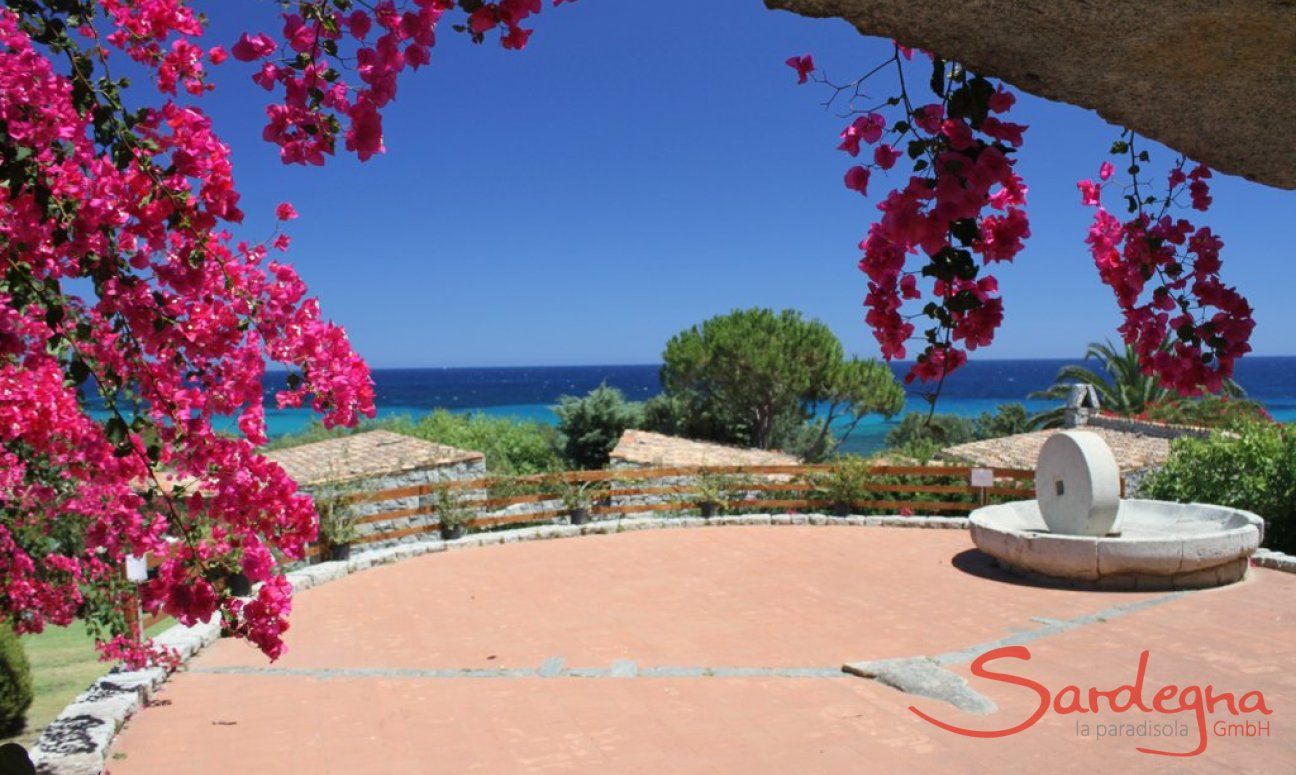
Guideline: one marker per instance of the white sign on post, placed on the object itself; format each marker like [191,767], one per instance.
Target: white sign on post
[982,477]
[137,568]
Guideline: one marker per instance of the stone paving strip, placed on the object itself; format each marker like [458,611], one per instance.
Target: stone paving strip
[78,740]
[927,676]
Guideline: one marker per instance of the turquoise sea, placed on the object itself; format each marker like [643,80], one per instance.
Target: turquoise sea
[529,392]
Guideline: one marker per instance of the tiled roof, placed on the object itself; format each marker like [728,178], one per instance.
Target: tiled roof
[364,455]
[1133,451]
[656,449]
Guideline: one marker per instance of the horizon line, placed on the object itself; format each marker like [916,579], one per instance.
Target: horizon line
[1006,359]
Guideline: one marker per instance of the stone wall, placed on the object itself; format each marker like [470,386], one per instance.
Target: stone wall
[464,470]
[667,481]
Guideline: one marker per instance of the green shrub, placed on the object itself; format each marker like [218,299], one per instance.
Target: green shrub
[921,438]
[1208,411]
[1005,420]
[591,426]
[339,520]
[15,681]
[720,489]
[511,446]
[845,483]
[452,509]
[1252,469]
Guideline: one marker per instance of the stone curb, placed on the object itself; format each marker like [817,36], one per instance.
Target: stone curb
[76,743]
[1267,558]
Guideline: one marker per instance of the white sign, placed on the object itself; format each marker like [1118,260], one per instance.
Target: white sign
[137,568]
[982,477]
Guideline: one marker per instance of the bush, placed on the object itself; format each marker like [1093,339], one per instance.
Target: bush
[15,681]
[1253,469]
[339,521]
[921,439]
[592,425]
[511,446]
[1005,420]
[918,437]
[845,483]
[1208,412]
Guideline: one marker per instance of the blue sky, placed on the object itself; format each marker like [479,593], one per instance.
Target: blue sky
[640,167]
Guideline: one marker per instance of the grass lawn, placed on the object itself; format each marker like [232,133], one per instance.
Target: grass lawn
[63,663]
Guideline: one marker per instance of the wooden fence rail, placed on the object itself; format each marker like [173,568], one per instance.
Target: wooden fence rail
[954,494]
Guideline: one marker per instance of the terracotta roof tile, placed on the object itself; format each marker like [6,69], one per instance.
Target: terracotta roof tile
[363,455]
[1133,451]
[656,449]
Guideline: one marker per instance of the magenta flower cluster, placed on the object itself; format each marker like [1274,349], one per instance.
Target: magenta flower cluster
[379,42]
[1187,326]
[961,202]
[123,280]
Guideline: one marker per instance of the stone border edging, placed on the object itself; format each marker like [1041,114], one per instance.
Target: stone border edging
[1268,558]
[77,741]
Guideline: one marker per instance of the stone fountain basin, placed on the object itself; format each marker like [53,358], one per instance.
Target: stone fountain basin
[1157,545]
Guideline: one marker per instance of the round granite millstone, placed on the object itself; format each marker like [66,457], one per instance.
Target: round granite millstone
[1077,484]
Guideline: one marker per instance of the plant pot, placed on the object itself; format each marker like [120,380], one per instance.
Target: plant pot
[451,532]
[339,552]
[578,516]
[238,585]
[708,510]
[841,509]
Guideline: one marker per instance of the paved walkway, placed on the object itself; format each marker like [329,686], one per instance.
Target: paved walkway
[715,650]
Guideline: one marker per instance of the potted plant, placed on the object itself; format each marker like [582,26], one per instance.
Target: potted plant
[338,526]
[577,499]
[712,491]
[844,484]
[453,516]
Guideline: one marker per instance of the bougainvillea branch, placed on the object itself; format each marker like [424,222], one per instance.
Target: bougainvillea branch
[133,322]
[961,208]
[1186,325]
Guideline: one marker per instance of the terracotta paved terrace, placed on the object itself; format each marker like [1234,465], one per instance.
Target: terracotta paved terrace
[719,650]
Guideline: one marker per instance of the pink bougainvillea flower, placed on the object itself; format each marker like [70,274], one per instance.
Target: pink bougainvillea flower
[867,128]
[1090,192]
[857,179]
[217,54]
[359,24]
[1002,100]
[1105,171]
[285,211]
[250,47]
[885,156]
[483,19]
[804,66]
[1003,130]
[929,117]
[958,133]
